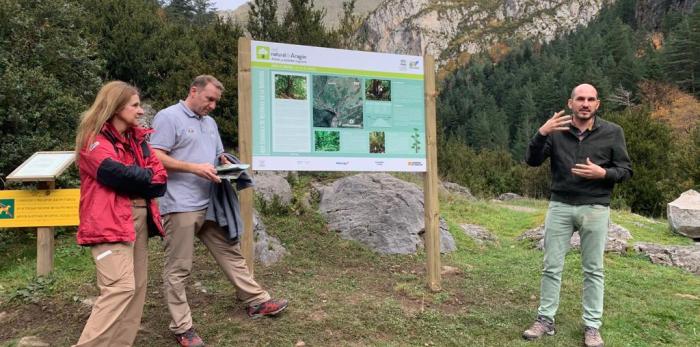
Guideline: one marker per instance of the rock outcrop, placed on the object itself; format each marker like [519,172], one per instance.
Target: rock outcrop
[380,211]
[456,189]
[685,257]
[268,249]
[271,185]
[478,233]
[617,238]
[448,30]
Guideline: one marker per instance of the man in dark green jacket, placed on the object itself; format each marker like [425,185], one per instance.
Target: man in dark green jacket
[588,156]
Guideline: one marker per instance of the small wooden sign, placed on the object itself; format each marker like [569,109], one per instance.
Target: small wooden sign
[42,166]
[39,208]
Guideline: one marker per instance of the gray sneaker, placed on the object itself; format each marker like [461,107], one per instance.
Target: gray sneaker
[591,337]
[541,327]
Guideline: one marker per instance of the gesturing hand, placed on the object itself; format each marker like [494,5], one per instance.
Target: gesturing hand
[558,122]
[589,170]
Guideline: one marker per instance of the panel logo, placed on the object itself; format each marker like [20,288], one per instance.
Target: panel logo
[415,163]
[414,65]
[262,53]
[7,208]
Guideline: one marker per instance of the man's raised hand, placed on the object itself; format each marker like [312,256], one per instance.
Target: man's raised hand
[558,122]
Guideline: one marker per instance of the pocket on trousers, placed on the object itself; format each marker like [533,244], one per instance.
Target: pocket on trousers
[115,266]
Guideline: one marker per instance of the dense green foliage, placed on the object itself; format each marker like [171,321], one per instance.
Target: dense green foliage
[326,141]
[54,55]
[161,48]
[489,109]
[49,68]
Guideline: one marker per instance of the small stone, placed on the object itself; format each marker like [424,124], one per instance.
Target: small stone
[478,233]
[449,270]
[31,341]
[509,196]
[300,343]
[3,315]
[199,286]
[89,302]
[680,295]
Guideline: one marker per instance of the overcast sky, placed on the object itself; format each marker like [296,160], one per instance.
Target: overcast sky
[228,4]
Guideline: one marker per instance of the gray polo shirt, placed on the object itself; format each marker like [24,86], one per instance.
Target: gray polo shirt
[191,138]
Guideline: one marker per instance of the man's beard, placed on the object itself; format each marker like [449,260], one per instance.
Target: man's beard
[584,117]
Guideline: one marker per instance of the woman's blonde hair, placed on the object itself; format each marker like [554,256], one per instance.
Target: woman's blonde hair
[111,99]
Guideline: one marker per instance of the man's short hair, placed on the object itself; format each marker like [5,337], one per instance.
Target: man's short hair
[201,82]
[573,91]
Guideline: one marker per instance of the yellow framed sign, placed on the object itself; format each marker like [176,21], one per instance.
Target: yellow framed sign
[39,208]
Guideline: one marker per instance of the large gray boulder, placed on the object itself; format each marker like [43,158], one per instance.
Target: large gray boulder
[686,257]
[269,185]
[617,238]
[684,214]
[268,249]
[380,211]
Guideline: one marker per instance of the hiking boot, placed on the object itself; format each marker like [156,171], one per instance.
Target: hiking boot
[189,339]
[541,327]
[268,308]
[592,338]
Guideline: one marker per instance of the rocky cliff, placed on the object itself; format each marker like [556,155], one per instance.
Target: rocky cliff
[452,30]
[334,10]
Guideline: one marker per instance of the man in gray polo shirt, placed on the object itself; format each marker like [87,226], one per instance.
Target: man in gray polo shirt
[187,141]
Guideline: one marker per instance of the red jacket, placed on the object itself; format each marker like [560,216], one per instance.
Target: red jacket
[110,176]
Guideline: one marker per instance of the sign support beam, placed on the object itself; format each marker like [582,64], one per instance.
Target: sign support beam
[245,141]
[44,241]
[430,183]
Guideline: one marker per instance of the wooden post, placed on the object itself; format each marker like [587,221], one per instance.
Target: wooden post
[245,142]
[430,185]
[44,241]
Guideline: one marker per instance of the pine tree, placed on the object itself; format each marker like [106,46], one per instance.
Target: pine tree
[680,56]
[262,21]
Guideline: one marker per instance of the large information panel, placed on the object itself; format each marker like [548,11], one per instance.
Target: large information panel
[321,109]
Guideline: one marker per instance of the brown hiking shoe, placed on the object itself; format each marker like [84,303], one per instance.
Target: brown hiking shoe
[541,327]
[591,337]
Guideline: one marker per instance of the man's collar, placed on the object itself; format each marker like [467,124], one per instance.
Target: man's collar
[593,126]
[188,111]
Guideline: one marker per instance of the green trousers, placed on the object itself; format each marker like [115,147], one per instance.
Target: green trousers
[592,222]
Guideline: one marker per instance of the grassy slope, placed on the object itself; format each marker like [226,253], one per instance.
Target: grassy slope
[344,295]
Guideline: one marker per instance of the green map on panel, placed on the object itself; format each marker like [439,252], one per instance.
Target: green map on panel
[337,102]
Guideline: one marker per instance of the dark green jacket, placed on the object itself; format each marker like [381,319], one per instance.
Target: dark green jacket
[604,145]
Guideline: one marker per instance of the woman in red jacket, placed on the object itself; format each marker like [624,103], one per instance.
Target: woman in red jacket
[119,179]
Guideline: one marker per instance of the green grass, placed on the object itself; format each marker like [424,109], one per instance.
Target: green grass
[343,294]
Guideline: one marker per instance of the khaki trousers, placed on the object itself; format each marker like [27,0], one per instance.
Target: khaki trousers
[122,270]
[180,229]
